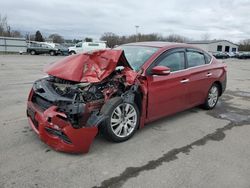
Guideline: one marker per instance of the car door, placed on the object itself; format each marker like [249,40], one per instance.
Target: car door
[45,49]
[167,93]
[201,76]
[93,46]
[39,48]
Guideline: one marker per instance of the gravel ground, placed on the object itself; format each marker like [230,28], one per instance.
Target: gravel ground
[194,148]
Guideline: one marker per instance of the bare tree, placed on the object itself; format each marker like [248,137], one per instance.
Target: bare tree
[56,38]
[16,33]
[111,39]
[244,45]
[176,38]
[3,25]
[5,29]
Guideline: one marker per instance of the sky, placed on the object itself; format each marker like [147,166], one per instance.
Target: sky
[218,19]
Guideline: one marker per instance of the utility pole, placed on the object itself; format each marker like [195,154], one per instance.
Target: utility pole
[136,31]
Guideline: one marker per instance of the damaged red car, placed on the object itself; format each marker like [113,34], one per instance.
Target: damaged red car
[118,91]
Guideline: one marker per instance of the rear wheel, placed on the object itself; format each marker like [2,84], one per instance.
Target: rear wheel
[212,97]
[122,120]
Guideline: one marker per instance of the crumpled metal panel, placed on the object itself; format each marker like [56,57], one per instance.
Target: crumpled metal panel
[87,67]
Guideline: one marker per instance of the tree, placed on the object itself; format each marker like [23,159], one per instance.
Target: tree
[3,26]
[244,45]
[76,41]
[39,37]
[111,39]
[5,29]
[57,38]
[87,39]
[175,38]
[15,33]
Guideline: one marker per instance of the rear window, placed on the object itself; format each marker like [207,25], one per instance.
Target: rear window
[195,59]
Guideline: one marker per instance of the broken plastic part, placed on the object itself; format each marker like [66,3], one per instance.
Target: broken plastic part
[95,119]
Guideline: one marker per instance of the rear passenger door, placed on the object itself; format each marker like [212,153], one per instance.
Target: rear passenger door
[200,78]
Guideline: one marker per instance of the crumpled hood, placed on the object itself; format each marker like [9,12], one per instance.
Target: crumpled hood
[88,67]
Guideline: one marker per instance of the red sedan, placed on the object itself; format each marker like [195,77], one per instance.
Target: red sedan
[118,91]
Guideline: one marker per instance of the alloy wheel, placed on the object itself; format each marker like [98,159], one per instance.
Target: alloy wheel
[213,96]
[123,120]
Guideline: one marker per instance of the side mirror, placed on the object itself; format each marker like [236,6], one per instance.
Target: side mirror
[160,70]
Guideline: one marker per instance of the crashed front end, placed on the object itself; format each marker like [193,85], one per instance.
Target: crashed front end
[64,108]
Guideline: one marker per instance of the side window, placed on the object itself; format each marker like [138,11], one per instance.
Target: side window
[208,58]
[78,45]
[175,61]
[195,59]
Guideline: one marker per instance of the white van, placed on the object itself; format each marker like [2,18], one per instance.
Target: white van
[86,46]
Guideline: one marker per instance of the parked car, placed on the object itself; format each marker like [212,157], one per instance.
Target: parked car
[86,46]
[243,55]
[118,91]
[231,54]
[221,55]
[39,48]
[62,50]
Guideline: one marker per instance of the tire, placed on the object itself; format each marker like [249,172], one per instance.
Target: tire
[72,52]
[32,52]
[118,127]
[52,53]
[212,97]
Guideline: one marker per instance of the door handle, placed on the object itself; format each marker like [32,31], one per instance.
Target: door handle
[184,81]
[209,74]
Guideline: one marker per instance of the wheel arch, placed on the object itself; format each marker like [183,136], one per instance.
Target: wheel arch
[219,85]
[138,100]
[72,51]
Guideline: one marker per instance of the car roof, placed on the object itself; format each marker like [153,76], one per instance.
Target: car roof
[159,44]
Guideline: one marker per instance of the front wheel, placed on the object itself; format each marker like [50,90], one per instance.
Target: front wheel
[212,97]
[72,52]
[122,120]
[52,53]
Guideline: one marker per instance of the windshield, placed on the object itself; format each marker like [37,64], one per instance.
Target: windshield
[137,55]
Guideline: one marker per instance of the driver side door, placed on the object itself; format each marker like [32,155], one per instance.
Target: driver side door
[167,94]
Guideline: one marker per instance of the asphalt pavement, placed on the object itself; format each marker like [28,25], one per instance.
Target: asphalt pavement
[194,148]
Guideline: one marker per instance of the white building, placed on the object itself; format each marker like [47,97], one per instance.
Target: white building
[216,45]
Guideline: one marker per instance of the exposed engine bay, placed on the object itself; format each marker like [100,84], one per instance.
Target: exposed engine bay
[69,107]
[86,92]
[81,102]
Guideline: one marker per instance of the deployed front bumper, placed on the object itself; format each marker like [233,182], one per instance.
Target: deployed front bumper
[53,128]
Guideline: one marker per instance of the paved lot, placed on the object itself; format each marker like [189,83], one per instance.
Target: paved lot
[195,148]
